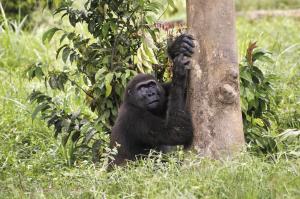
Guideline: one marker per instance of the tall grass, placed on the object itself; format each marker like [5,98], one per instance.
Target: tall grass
[23,143]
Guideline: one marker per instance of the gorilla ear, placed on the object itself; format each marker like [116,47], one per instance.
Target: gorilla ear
[129,91]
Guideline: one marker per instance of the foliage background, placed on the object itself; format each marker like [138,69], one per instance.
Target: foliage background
[35,164]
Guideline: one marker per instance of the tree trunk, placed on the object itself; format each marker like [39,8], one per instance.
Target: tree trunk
[213,88]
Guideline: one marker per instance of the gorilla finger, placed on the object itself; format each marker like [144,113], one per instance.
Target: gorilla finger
[188,47]
[187,50]
[189,41]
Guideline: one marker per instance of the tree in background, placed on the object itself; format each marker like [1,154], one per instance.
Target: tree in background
[213,95]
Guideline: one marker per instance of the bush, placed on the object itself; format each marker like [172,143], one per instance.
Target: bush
[257,97]
[120,43]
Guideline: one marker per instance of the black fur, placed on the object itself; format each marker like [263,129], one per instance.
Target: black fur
[153,114]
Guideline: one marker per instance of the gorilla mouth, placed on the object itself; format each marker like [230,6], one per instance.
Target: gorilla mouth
[153,102]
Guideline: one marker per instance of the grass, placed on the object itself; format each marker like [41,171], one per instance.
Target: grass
[246,177]
[32,163]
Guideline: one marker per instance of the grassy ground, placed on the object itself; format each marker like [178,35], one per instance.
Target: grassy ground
[32,163]
[246,177]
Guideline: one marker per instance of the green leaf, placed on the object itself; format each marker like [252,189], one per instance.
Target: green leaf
[53,82]
[114,27]
[105,28]
[62,38]
[106,59]
[259,53]
[73,56]
[108,87]
[244,104]
[47,36]
[246,76]
[73,19]
[71,35]
[38,72]
[259,122]
[100,72]
[257,73]
[108,78]
[65,54]
[30,73]
[60,48]
[38,109]
[65,139]
[249,95]
[75,136]
[150,54]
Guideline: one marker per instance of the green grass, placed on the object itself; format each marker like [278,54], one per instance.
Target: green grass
[32,163]
[246,177]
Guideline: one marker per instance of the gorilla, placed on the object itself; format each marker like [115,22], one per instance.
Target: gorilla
[153,114]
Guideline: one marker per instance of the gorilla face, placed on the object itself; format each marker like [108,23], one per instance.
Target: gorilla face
[149,95]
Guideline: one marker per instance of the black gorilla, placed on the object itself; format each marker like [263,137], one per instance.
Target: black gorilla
[153,114]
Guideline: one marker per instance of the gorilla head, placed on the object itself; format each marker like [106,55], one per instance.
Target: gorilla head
[144,92]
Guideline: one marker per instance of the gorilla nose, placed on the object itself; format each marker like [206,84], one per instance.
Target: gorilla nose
[151,94]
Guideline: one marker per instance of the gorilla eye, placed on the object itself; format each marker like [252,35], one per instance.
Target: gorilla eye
[142,87]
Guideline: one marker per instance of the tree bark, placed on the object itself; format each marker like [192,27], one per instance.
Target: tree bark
[213,88]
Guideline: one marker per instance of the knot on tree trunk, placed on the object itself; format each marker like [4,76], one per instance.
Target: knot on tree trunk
[227,94]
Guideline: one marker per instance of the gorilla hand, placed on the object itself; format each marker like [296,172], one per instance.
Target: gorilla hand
[183,44]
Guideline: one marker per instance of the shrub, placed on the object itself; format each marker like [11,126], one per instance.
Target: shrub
[120,43]
[257,97]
